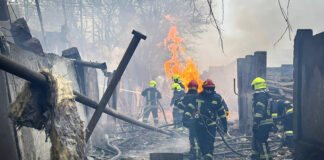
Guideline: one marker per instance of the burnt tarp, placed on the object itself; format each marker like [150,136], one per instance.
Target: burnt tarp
[309,94]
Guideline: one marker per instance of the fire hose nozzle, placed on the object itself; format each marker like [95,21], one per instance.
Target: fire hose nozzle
[138,35]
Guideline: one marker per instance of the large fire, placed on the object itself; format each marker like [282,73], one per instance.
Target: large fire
[178,64]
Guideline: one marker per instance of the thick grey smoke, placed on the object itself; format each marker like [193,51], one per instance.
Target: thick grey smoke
[252,25]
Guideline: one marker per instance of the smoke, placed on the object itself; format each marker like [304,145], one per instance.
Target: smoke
[251,26]
[248,26]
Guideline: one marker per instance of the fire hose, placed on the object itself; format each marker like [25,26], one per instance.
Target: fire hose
[221,135]
[228,146]
[163,112]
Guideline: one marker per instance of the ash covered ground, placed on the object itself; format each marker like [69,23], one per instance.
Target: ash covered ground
[136,143]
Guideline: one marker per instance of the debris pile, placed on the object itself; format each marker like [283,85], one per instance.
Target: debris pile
[52,108]
[136,143]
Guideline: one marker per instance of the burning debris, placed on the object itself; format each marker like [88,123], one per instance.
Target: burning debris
[54,110]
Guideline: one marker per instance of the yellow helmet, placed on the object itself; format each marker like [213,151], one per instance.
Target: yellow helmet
[258,83]
[176,86]
[176,77]
[152,83]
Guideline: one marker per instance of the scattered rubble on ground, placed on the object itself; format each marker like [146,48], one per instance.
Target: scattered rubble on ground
[136,143]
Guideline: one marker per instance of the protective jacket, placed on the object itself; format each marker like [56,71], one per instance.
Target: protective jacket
[224,105]
[262,109]
[262,124]
[282,112]
[188,104]
[210,108]
[152,95]
[177,95]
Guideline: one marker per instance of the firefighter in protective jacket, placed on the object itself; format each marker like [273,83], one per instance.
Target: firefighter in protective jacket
[211,109]
[189,117]
[262,120]
[178,93]
[152,95]
[282,112]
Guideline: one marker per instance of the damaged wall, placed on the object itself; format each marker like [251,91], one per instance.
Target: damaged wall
[31,142]
[309,94]
[248,68]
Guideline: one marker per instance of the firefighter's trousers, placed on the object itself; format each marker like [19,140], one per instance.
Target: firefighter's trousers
[147,110]
[289,139]
[289,133]
[260,148]
[206,139]
[177,118]
[193,139]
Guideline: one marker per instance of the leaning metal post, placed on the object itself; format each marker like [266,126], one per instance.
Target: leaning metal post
[114,81]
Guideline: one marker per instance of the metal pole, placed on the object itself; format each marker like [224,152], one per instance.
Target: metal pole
[101,66]
[235,87]
[21,71]
[114,81]
[85,100]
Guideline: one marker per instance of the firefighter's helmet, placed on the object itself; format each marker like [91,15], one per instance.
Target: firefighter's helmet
[176,77]
[193,85]
[152,83]
[258,83]
[208,84]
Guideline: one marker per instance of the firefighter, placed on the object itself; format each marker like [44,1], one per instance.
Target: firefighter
[227,112]
[152,95]
[262,120]
[210,109]
[189,116]
[178,93]
[282,112]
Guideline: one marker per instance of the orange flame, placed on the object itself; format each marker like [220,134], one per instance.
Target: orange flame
[173,66]
[171,19]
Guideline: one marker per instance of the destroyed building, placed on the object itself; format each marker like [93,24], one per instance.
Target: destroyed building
[62,98]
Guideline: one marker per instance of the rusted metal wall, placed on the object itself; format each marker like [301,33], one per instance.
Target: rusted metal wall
[309,94]
[248,68]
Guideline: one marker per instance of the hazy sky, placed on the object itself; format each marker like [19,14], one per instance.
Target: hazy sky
[255,25]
